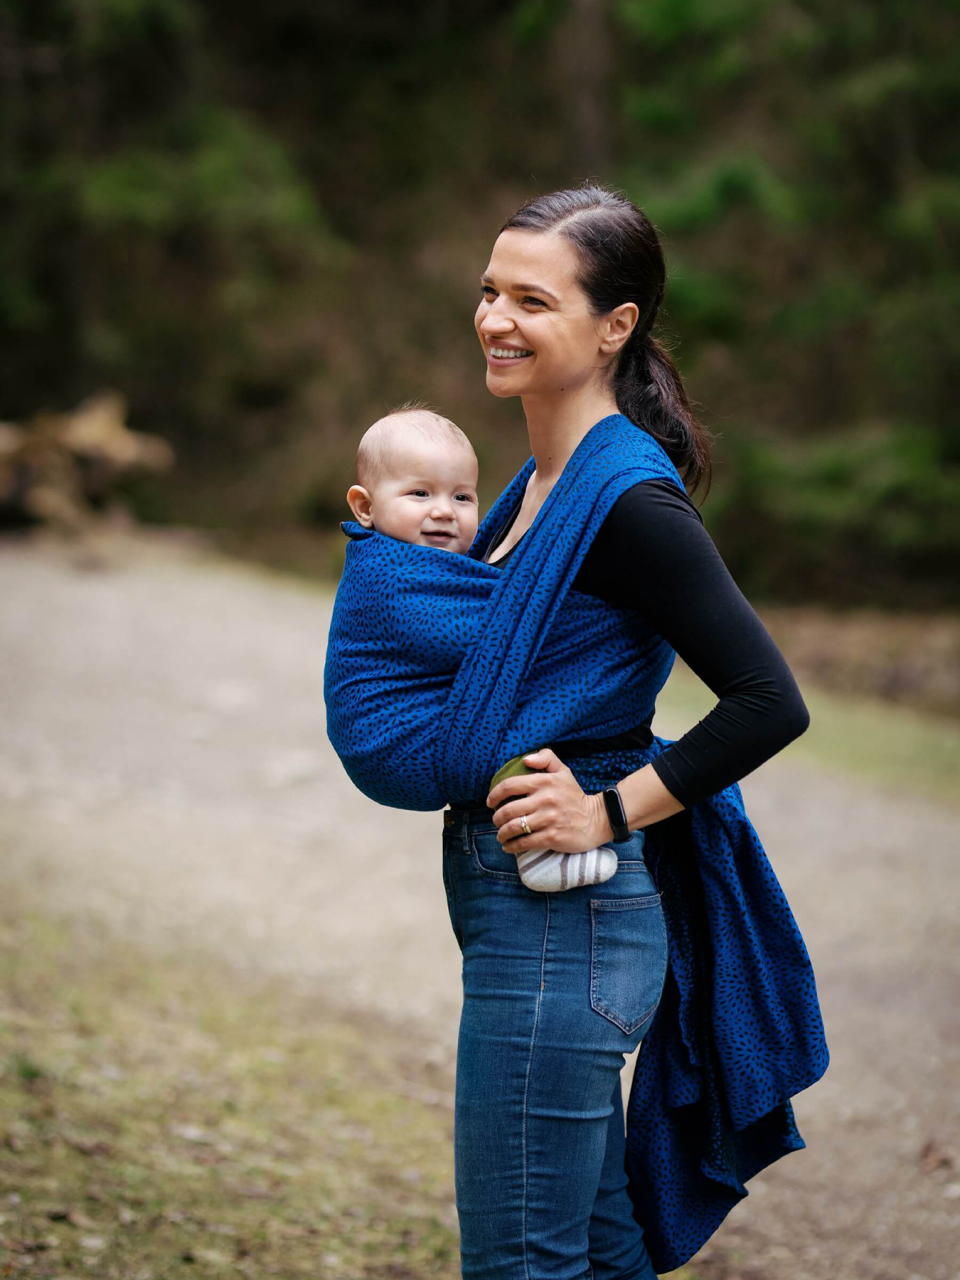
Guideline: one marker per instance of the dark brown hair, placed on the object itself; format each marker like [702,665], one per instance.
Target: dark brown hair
[621,261]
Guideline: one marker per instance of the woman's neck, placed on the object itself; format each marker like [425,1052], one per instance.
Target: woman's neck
[556,425]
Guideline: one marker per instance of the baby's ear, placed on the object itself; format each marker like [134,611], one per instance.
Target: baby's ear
[361,504]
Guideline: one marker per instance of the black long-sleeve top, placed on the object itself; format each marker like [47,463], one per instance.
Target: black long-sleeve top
[653,554]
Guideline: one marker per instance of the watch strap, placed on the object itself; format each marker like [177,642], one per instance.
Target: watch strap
[617,814]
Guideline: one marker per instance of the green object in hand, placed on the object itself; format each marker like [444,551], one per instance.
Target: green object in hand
[514,768]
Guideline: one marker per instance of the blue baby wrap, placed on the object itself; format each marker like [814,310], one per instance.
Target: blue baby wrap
[439,668]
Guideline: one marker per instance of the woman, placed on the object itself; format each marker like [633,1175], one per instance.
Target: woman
[559,987]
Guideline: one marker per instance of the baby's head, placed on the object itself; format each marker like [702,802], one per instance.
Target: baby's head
[417,480]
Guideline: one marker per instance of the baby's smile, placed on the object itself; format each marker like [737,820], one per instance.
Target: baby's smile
[446,538]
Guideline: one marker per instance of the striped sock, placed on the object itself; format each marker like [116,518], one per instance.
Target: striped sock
[548,871]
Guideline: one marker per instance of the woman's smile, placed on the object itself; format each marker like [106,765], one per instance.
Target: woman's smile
[501,355]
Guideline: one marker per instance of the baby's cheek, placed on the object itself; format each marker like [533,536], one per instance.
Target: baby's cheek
[469,532]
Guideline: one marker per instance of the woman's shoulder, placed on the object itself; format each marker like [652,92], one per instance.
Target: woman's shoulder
[652,528]
[651,501]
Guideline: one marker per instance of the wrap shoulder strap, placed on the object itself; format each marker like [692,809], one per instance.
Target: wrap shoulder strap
[614,455]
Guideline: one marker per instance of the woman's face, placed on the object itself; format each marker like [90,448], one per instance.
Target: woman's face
[534,321]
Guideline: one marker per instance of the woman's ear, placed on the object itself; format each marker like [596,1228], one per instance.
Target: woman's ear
[361,504]
[617,326]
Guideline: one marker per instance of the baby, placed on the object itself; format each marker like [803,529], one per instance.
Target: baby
[417,481]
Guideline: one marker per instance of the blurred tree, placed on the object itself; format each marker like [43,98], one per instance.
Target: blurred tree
[586,63]
[802,162]
[151,226]
[266,222]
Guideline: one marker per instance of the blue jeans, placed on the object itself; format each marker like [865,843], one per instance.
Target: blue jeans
[557,987]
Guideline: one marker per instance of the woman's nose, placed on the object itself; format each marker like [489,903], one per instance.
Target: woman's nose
[491,328]
[495,322]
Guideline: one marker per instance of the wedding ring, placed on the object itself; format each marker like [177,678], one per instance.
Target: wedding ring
[525,825]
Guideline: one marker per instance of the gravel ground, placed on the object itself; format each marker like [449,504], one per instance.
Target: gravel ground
[165,774]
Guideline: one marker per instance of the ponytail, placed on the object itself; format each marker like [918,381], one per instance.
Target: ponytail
[621,261]
[650,392]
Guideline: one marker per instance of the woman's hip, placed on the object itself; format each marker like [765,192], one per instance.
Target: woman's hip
[587,964]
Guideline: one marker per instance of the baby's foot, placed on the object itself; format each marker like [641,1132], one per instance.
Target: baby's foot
[548,871]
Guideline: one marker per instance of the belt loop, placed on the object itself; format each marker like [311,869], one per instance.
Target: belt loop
[466,834]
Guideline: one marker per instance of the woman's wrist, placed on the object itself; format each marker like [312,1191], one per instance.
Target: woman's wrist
[645,799]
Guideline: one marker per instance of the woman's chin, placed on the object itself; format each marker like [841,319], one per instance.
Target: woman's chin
[501,387]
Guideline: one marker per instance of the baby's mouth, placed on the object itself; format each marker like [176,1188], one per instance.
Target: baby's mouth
[441,535]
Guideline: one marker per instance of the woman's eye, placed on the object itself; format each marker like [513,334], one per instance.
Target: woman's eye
[487,288]
[539,301]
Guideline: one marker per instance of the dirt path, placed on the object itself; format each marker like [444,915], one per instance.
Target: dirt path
[165,772]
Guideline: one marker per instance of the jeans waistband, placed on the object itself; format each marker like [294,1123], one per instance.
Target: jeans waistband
[467,815]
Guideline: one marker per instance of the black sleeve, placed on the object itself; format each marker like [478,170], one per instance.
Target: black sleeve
[653,554]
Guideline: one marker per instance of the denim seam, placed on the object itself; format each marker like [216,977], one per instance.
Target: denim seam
[626,904]
[526,1082]
[454,879]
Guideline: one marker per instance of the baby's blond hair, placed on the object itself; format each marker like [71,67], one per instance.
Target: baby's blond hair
[376,448]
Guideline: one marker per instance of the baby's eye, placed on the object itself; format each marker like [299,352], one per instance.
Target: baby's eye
[468,496]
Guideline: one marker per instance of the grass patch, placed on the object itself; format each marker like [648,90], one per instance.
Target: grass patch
[168,1119]
[900,749]
[163,1119]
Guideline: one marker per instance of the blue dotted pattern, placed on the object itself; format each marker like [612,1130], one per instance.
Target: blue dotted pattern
[440,667]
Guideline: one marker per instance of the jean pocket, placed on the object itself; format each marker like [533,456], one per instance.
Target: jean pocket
[489,856]
[628,958]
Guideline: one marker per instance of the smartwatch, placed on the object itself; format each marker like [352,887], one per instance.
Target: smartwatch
[616,813]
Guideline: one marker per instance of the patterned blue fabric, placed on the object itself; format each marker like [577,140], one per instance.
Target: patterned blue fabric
[439,668]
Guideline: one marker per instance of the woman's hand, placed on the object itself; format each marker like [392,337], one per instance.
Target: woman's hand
[560,815]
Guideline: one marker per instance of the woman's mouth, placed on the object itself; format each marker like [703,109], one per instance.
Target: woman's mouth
[502,356]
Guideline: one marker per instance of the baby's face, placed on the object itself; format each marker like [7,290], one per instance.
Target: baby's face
[428,496]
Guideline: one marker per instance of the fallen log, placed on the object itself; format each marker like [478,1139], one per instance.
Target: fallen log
[60,468]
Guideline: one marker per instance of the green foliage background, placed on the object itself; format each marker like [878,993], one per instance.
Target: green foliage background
[265,223]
